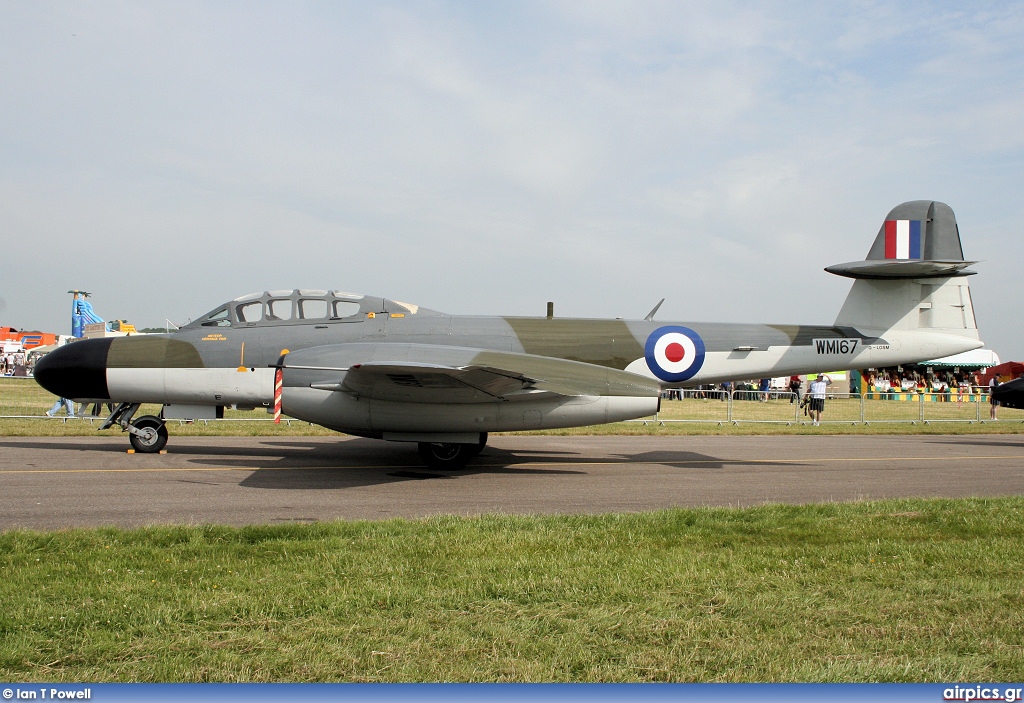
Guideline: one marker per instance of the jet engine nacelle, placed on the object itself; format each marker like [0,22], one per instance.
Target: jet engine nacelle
[372,417]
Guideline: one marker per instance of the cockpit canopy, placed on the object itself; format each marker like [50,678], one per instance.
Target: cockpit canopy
[280,307]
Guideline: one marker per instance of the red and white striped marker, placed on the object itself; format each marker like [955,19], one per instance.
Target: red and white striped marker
[278,384]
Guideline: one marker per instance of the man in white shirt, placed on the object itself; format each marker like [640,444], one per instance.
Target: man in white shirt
[817,392]
[884,385]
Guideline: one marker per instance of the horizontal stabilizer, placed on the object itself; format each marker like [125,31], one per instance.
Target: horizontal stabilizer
[902,269]
[918,239]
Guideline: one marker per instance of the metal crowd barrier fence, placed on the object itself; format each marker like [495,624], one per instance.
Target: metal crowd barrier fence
[765,406]
[693,406]
[778,406]
[24,398]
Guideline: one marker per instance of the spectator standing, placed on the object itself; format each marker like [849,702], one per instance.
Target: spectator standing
[819,387]
[963,388]
[993,408]
[885,387]
[794,388]
[727,387]
[67,403]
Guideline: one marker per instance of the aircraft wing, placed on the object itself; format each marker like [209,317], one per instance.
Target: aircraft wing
[434,383]
[421,373]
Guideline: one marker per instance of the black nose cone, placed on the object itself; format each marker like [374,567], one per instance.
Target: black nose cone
[78,370]
[1011,393]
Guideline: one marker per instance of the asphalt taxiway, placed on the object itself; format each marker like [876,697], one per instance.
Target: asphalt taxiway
[53,483]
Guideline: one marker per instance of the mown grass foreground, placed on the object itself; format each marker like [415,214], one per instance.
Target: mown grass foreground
[908,590]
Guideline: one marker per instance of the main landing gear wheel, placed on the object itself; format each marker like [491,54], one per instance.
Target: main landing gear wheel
[151,436]
[448,455]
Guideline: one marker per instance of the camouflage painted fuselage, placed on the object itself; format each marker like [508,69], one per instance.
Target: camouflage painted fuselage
[390,369]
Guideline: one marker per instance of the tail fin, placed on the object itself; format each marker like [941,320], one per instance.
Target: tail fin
[914,276]
[918,239]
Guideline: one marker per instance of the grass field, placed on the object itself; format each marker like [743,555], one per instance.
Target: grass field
[890,591]
[909,590]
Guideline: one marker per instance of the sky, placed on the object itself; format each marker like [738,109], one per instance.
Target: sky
[485,158]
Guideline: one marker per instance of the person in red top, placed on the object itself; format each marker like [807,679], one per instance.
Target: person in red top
[794,386]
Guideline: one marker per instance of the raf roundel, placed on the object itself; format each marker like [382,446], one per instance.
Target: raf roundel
[674,354]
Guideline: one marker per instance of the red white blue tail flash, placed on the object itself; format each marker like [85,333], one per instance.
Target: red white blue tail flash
[674,353]
[903,239]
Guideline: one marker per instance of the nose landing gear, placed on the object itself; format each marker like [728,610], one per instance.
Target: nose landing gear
[148,434]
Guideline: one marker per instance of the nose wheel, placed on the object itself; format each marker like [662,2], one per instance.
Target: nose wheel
[148,434]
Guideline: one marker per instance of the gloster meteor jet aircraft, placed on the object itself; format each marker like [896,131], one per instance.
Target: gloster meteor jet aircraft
[379,368]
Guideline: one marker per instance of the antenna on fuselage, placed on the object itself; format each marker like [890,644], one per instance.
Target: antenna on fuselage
[650,315]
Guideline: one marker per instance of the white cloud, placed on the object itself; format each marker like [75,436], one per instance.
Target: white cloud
[487,158]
